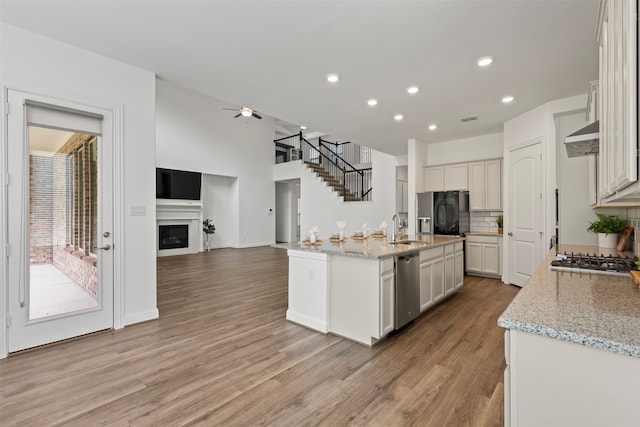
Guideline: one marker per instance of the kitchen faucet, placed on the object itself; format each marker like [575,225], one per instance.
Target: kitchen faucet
[393,228]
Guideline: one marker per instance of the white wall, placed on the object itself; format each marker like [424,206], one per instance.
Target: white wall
[219,203]
[464,150]
[287,211]
[575,213]
[537,124]
[33,63]
[320,207]
[194,133]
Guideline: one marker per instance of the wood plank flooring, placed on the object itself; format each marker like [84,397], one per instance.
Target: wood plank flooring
[222,353]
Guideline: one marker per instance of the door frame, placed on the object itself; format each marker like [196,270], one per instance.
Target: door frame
[506,260]
[72,100]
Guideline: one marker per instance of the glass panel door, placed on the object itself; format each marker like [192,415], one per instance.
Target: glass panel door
[60,220]
[63,222]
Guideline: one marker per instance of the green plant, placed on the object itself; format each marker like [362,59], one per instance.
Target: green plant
[610,224]
[208,227]
[500,221]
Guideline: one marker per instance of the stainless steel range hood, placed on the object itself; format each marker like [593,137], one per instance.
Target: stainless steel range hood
[584,141]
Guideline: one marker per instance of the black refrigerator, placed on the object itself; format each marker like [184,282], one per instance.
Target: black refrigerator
[451,213]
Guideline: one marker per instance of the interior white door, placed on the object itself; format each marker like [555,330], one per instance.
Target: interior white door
[60,200]
[525,212]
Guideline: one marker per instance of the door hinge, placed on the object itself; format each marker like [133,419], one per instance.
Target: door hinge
[7,179]
[7,106]
[8,249]
[8,320]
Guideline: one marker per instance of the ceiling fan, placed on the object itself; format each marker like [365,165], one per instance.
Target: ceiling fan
[244,111]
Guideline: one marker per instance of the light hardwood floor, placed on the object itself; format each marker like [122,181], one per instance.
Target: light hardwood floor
[222,353]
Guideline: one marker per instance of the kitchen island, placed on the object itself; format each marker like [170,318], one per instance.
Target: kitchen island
[348,288]
[572,348]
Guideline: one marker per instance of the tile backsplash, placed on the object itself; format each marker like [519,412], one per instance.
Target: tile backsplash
[633,215]
[486,221]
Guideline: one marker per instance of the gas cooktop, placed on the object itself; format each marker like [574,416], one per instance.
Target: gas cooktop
[586,263]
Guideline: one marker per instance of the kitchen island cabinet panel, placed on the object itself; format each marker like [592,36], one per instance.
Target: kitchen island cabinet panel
[358,310]
[549,382]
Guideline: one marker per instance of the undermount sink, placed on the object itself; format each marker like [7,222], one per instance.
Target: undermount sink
[405,242]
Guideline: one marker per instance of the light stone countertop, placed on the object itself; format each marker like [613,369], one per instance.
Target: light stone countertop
[483,233]
[373,247]
[595,310]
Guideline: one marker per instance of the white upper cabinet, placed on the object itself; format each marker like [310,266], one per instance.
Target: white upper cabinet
[455,177]
[434,178]
[485,185]
[617,32]
[446,178]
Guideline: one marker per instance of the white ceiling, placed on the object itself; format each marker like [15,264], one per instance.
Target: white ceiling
[273,56]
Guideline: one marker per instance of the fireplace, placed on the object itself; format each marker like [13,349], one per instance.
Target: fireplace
[173,236]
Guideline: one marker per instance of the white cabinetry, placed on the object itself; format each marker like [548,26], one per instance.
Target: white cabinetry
[402,196]
[441,273]
[362,298]
[434,178]
[485,185]
[484,255]
[446,178]
[449,270]
[458,274]
[617,32]
[431,277]
[387,297]
[549,382]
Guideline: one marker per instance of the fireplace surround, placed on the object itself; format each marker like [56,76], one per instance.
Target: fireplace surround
[185,219]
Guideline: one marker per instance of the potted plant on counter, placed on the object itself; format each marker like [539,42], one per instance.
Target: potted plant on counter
[500,222]
[608,228]
[209,229]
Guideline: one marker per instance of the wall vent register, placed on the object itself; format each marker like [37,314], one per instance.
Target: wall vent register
[173,236]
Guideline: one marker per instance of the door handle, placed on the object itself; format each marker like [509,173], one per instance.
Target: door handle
[104,248]
[510,233]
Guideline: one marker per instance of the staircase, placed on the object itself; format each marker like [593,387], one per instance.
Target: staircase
[353,185]
[333,182]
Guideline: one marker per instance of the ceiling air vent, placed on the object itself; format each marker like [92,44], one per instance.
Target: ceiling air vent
[468,119]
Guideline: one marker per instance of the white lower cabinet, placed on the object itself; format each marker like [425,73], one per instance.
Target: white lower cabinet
[449,270]
[484,255]
[458,274]
[549,382]
[387,299]
[431,277]
[441,273]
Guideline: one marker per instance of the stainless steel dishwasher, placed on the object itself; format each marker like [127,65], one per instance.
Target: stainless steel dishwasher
[407,288]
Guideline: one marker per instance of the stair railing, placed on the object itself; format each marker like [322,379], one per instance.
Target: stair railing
[356,182]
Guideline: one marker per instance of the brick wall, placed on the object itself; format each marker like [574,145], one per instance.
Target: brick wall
[63,209]
[82,269]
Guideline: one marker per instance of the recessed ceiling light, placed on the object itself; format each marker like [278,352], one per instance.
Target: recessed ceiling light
[433,127]
[413,89]
[372,102]
[485,61]
[507,99]
[398,117]
[332,78]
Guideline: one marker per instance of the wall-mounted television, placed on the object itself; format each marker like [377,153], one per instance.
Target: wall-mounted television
[175,184]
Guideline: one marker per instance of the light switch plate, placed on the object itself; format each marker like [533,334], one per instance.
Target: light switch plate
[138,211]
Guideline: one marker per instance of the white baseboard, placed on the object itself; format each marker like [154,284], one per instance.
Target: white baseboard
[309,322]
[143,316]
[254,245]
